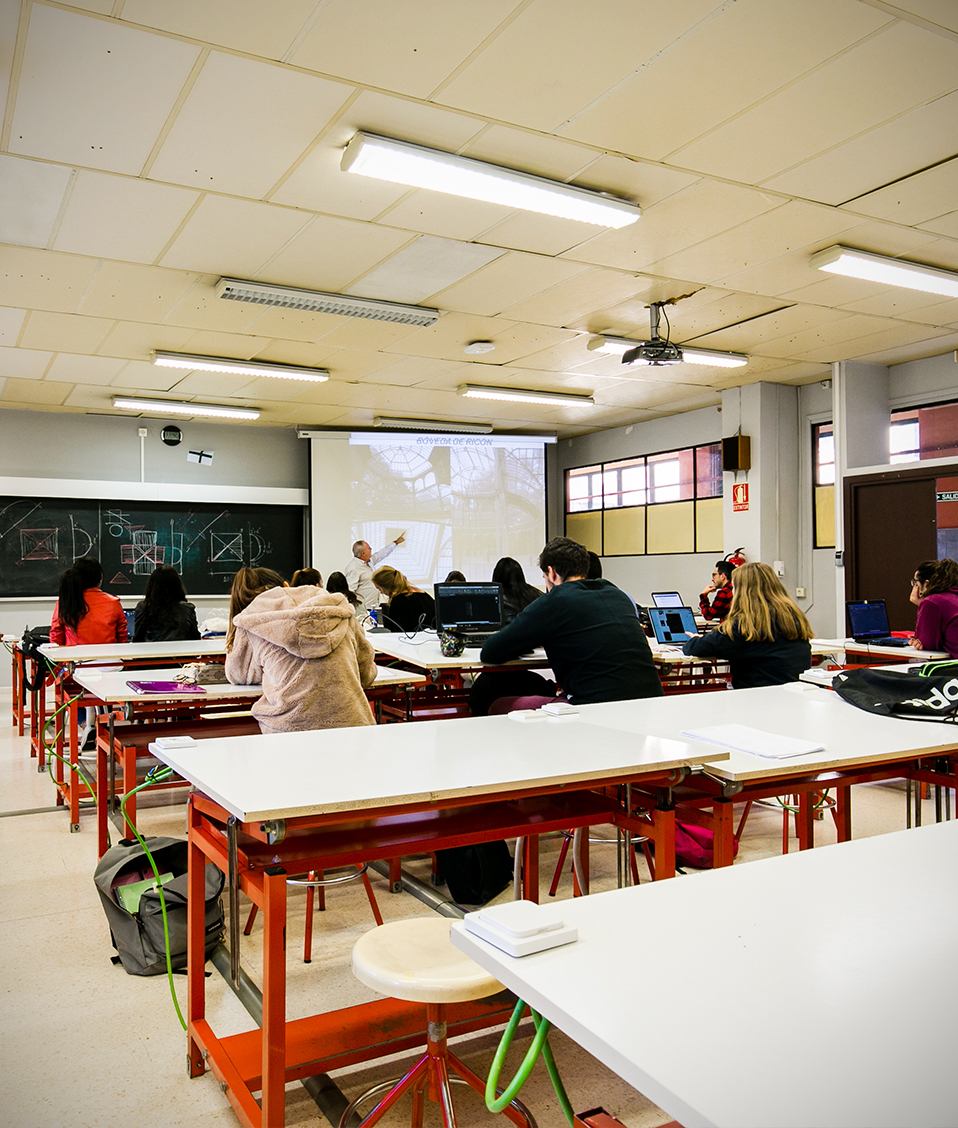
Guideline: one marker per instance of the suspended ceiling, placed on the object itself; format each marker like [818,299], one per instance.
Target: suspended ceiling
[150,147]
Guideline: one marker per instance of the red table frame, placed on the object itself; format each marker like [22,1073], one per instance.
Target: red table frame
[265,1060]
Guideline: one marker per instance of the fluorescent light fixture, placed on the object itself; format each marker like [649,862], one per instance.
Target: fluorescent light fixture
[167,407]
[432,425]
[616,346]
[889,271]
[401,162]
[524,395]
[315,301]
[240,367]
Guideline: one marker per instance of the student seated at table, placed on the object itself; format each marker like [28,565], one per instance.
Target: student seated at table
[409,608]
[720,590]
[306,577]
[455,577]
[163,614]
[589,629]
[765,637]
[338,585]
[934,588]
[306,649]
[84,615]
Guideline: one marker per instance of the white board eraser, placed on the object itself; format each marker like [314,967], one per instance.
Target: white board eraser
[167,743]
[521,928]
[560,709]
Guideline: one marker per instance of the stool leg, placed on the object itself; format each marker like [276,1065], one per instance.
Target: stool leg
[254,909]
[395,1093]
[556,877]
[371,897]
[479,1085]
[308,938]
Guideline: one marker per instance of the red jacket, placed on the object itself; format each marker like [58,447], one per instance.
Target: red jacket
[104,622]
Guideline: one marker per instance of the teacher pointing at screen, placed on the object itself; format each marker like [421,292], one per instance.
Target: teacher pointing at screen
[359,571]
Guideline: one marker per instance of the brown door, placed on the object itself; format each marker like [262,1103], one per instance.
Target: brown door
[890,528]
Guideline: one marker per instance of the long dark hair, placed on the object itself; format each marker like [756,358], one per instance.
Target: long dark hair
[516,591]
[306,577]
[164,591]
[71,606]
[248,583]
[339,585]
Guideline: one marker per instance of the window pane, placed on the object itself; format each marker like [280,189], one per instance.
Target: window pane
[583,489]
[671,476]
[823,454]
[624,483]
[903,438]
[708,470]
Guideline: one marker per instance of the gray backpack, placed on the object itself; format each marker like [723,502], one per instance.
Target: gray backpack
[138,936]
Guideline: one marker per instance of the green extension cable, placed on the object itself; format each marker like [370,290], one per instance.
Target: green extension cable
[157,775]
[540,1045]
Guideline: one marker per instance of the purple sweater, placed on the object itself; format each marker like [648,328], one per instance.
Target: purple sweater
[937,626]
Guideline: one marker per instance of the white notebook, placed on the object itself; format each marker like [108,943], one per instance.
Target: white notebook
[742,738]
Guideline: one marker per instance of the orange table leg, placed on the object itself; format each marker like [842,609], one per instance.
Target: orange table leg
[723,840]
[274,995]
[842,813]
[805,818]
[196,939]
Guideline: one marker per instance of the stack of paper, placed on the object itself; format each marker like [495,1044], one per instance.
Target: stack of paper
[742,738]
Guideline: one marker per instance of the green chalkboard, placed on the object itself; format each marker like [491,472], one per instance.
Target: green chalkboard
[206,543]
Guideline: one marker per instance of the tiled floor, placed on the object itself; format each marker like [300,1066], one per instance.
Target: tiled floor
[84,1044]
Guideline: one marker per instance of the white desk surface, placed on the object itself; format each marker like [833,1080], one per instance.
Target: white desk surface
[778,994]
[835,645]
[850,735]
[112,685]
[197,648]
[331,770]
[423,650]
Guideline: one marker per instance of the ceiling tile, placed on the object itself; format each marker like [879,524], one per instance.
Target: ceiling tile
[825,108]
[261,29]
[329,253]
[24,363]
[943,225]
[591,291]
[563,356]
[825,333]
[31,194]
[423,267]
[35,391]
[917,351]
[238,106]
[215,384]
[909,305]
[319,183]
[136,340]
[764,238]
[242,346]
[297,352]
[549,63]
[530,152]
[380,43]
[11,322]
[507,280]
[436,213]
[200,308]
[286,324]
[121,217]
[447,338]
[209,241]
[642,181]
[701,211]
[76,369]
[93,92]
[872,344]
[362,333]
[712,309]
[739,57]
[64,332]
[130,292]
[139,375]
[941,12]
[43,279]
[751,336]
[895,149]
[540,234]
[347,364]
[9,19]
[918,198]
[939,252]
[416,370]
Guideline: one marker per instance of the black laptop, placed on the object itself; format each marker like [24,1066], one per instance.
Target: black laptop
[868,622]
[472,611]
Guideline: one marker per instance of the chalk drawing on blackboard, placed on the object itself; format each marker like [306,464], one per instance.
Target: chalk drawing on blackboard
[121,578]
[77,532]
[143,552]
[226,552]
[38,544]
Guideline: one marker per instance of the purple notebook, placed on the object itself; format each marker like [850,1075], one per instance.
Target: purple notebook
[164,687]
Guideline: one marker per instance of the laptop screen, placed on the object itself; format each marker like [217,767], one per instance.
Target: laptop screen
[468,607]
[867,618]
[672,625]
[667,599]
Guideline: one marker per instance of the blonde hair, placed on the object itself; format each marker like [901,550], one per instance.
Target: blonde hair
[762,609]
[392,583]
[248,583]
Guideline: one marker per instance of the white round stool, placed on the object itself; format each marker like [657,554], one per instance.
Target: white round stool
[415,960]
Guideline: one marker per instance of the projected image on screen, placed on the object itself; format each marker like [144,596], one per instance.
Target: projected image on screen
[460,503]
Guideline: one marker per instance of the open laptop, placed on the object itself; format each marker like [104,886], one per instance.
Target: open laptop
[667,599]
[472,611]
[672,625]
[868,621]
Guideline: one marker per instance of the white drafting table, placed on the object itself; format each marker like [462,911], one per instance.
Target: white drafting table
[135,651]
[285,775]
[809,1019]
[423,650]
[823,646]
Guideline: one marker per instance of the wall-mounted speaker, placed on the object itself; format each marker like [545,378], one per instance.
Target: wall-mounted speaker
[737,453]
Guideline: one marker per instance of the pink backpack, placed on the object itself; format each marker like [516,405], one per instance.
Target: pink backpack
[693,845]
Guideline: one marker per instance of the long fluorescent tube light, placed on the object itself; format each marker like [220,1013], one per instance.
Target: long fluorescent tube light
[616,346]
[401,162]
[890,271]
[432,425]
[524,395]
[315,301]
[165,407]
[197,363]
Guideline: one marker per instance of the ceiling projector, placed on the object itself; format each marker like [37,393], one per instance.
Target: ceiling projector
[656,351]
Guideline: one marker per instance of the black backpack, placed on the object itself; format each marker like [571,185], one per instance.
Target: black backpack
[138,937]
[894,693]
[30,642]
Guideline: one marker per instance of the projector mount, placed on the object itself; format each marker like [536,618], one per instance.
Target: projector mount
[657,350]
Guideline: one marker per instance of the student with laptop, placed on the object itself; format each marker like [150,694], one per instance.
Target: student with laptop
[720,590]
[765,636]
[934,588]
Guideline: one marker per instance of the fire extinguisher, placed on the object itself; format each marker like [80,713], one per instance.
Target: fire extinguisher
[736,557]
